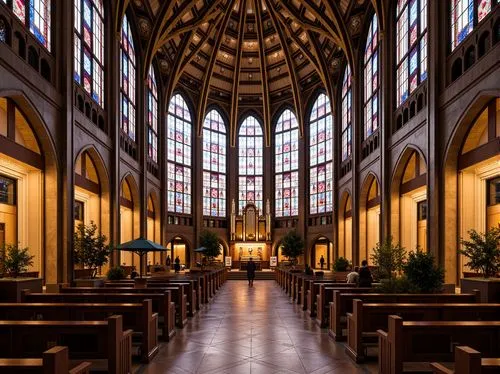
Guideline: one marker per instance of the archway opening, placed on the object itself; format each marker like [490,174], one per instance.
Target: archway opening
[321,248]
[369,218]
[129,220]
[345,227]
[179,247]
[153,230]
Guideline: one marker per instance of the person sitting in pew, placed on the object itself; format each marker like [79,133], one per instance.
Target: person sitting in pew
[365,275]
[353,276]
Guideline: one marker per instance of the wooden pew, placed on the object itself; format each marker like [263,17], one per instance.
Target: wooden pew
[103,343]
[366,319]
[325,297]
[468,361]
[178,296]
[410,346]
[342,304]
[161,303]
[54,361]
[137,317]
[313,291]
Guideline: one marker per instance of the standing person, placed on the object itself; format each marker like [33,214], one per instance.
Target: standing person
[251,267]
[365,275]
[168,261]
[177,266]
[322,262]
[353,276]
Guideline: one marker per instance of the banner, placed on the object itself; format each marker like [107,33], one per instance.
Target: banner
[229,261]
[273,261]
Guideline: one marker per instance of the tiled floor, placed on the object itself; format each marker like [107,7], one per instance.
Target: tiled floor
[252,330]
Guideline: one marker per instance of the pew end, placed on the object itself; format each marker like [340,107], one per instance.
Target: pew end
[468,361]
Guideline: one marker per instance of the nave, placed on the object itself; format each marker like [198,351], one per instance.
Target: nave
[253,330]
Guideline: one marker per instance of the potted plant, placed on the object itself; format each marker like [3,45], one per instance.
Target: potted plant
[483,254]
[14,261]
[422,273]
[292,246]
[388,259]
[340,264]
[90,251]
[210,241]
[116,273]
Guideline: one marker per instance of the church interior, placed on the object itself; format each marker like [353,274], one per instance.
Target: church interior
[346,122]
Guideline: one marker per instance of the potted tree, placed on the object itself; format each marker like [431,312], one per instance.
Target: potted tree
[90,252]
[389,259]
[292,246]
[14,262]
[483,254]
[210,241]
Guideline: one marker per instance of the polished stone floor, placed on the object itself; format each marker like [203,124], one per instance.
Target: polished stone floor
[252,330]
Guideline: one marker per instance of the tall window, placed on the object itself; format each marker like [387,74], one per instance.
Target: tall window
[214,165]
[411,54]
[152,118]
[179,156]
[371,80]
[465,14]
[89,47]
[127,81]
[287,165]
[38,20]
[321,156]
[346,114]
[251,156]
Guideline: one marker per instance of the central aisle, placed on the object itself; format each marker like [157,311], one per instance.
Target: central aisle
[252,330]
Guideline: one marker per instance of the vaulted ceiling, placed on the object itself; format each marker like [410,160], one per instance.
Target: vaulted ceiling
[250,53]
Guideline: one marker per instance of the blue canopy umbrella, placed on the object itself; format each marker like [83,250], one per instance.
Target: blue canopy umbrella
[141,247]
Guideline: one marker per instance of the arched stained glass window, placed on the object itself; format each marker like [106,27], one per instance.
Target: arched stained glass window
[214,165]
[251,155]
[371,78]
[465,14]
[38,20]
[179,127]
[411,51]
[321,156]
[346,114]
[152,116]
[287,165]
[127,81]
[89,47]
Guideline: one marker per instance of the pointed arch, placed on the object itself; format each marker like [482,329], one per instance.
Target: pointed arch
[286,163]
[128,81]
[369,215]
[321,156]
[214,164]
[179,156]
[152,115]
[371,80]
[347,114]
[251,163]
[129,217]
[345,226]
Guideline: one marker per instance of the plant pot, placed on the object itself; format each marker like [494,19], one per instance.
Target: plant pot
[10,288]
[89,282]
[489,288]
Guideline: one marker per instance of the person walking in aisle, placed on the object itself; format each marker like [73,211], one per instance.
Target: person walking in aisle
[251,267]
[322,262]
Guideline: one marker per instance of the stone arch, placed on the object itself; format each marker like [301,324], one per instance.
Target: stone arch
[48,242]
[450,204]
[321,244]
[153,227]
[369,215]
[129,217]
[173,252]
[408,193]
[344,248]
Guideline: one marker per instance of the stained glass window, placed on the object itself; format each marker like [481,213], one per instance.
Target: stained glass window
[152,116]
[411,48]
[321,156]
[371,78]
[179,127]
[39,12]
[214,165]
[250,159]
[346,114]
[465,14]
[127,81]
[89,47]
[287,165]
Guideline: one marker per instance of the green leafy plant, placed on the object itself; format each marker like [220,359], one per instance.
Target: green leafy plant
[90,248]
[422,273]
[395,285]
[340,264]
[292,246]
[116,273]
[15,260]
[483,251]
[210,241]
[388,258]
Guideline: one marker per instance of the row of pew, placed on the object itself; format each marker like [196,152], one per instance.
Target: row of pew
[104,326]
[440,333]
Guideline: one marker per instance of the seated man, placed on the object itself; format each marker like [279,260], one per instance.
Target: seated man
[353,276]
